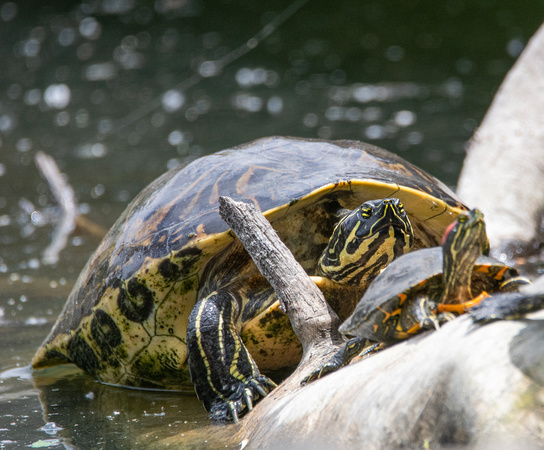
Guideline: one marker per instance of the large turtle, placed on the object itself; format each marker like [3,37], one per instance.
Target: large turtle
[170,294]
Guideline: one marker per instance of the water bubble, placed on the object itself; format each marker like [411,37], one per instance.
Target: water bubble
[38,219]
[31,48]
[414,138]
[105,126]
[7,123]
[375,132]
[8,11]
[310,120]
[334,113]
[117,6]
[23,145]
[274,105]
[324,132]
[248,102]
[394,53]
[33,97]
[82,118]
[34,263]
[36,321]
[98,191]
[454,88]
[353,114]
[91,151]
[90,28]
[175,137]
[172,100]
[51,428]
[372,114]
[172,163]
[515,47]
[209,69]
[67,36]
[243,77]
[404,118]
[464,66]
[203,105]
[62,118]
[100,71]
[57,96]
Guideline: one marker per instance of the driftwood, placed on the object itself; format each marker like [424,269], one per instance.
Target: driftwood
[461,385]
[503,173]
[314,322]
[69,218]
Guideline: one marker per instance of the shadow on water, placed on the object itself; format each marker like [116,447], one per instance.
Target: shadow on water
[413,77]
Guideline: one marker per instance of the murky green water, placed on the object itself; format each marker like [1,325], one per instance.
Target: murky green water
[117,91]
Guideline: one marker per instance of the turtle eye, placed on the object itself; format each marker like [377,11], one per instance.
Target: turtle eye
[366,212]
[462,218]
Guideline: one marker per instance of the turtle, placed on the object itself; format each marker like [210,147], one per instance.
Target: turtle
[423,289]
[171,300]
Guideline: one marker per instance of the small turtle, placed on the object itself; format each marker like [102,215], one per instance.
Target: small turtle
[170,299]
[425,288]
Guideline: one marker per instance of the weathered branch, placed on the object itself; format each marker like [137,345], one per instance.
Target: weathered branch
[69,218]
[314,322]
[64,195]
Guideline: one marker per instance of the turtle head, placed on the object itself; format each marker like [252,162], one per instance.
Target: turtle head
[464,241]
[365,241]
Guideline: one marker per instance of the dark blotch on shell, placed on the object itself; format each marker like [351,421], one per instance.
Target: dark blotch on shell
[169,270]
[135,302]
[83,355]
[105,332]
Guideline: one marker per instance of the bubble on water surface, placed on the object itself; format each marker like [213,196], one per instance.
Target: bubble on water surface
[57,96]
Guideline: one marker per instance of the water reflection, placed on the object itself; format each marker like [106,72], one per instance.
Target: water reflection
[117,91]
[65,405]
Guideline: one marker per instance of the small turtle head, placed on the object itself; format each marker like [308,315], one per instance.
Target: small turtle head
[466,233]
[365,241]
[464,241]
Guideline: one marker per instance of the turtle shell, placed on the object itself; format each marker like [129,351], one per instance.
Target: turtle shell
[417,273]
[126,318]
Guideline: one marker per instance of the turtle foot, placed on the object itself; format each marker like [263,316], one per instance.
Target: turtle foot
[341,358]
[244,394]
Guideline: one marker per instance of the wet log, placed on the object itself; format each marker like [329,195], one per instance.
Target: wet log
[503,173]
[464,384]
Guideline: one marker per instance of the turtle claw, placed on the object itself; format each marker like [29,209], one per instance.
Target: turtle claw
[341,358]
[244,393]
[234,413]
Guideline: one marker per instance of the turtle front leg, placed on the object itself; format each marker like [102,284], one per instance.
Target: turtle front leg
[342,357]
[423,313]
[225,376]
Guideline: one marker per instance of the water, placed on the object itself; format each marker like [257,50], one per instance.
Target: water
[117,91]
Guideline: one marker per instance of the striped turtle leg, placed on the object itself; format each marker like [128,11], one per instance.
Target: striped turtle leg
[225,376]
